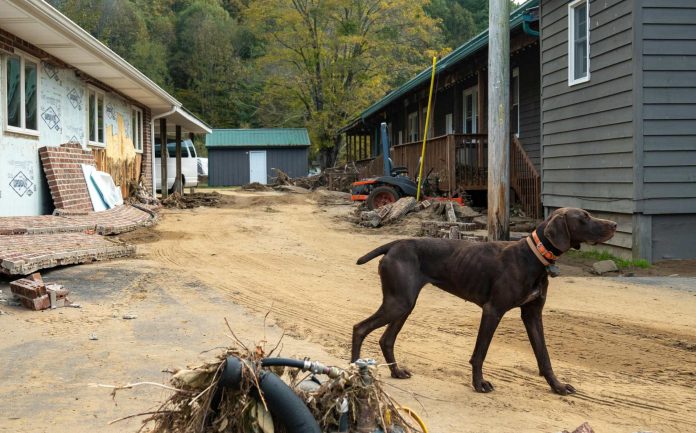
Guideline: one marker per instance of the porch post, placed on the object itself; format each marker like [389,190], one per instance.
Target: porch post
[498,120]
[178,184]
[163,157]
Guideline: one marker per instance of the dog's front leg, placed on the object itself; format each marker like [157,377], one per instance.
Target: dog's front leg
[531,316]
[489,322]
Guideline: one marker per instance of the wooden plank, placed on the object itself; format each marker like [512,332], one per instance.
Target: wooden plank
[617,29]
[622,70]
[589,176]
[682,174]
[591,120]
[661,79]
[592,161]
[669,31]
[670,205]
[613,87]
[670,111]
[667,47]
[599,105]
[164,153]
[608,132]
[590,190]
[681,95]
[669,62]
[669,142]
[658,190]
[669,15]
[668,3]
[607,51]
[674,127]
[614,205]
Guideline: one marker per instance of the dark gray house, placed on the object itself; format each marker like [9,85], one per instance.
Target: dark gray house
[618,118]
[241,156]
[603,115]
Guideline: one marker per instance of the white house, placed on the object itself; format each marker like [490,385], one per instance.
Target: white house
[58,84]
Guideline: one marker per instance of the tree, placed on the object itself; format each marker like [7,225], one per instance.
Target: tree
[325,60]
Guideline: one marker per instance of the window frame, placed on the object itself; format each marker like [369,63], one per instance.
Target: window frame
[473,91]
[23,57]
[572,6]
[139,133]
[412,127]
[94,116]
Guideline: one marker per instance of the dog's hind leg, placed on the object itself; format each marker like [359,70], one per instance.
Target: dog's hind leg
[387,344]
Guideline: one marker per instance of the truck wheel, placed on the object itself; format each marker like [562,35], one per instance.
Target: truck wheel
[381,196]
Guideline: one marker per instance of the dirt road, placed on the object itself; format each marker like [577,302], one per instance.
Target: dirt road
[629,349]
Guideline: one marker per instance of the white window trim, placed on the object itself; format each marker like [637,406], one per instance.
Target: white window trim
[516,73]
[23,57]
[140,132]
[473,90]
[97,91]
[571,42]
[449,124]
[412,121]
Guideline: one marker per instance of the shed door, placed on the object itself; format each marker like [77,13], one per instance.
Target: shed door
[257,166]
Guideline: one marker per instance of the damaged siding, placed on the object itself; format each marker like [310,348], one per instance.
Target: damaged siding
[62,107]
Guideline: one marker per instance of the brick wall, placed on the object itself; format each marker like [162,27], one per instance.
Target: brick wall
[62,166]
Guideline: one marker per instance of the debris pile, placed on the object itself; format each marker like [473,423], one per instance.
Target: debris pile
[36,295]
[200,404]
[255,186]
[194,200]
[308,182]
[387,214]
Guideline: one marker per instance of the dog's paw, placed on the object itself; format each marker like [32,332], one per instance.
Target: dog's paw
[400,373]
[564,389]
[483,386]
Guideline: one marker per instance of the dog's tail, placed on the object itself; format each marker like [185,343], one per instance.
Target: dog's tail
[376,252]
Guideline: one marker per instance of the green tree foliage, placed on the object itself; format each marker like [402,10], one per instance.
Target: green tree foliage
[325,60]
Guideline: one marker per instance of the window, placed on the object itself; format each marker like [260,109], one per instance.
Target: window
[413,127]
[515,102]
[578,42]
[430,123]
[471,110]
[137,128]
[400,137]
[21,93]
[95,117]
[449,128]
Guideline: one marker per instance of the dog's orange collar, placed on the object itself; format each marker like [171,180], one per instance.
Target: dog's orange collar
[546,257]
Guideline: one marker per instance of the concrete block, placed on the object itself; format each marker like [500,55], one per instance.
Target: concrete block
[604,267]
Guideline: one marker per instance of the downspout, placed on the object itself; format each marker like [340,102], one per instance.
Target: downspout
[530,15]
[152,151]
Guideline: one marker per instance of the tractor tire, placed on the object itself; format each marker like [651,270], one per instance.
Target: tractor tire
[381,196]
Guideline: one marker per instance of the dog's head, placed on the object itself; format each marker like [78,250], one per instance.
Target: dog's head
[568,227]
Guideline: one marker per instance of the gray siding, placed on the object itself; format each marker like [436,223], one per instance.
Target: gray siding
[530,103]
[674,236]
[587,129]
[230,167]
[669,112]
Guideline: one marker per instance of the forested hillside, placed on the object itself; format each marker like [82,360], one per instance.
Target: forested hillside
[266,63]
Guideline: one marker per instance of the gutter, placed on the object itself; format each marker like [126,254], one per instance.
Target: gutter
[51,17]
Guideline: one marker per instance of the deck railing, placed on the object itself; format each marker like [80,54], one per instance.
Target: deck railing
[460,161]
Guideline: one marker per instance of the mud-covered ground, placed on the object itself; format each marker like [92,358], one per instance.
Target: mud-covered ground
[627,344]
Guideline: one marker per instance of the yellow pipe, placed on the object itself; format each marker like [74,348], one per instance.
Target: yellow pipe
[425,133]
[415,416]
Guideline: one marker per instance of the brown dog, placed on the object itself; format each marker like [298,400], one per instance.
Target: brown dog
[496,276]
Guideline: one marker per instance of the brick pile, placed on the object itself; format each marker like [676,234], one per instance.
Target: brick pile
[114,221]
[24,254]
[62,166]
[34,294]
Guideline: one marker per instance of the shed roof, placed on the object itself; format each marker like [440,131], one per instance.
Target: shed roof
[263,137]
[472,46]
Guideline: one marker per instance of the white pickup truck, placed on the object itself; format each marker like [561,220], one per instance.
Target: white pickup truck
[189,165]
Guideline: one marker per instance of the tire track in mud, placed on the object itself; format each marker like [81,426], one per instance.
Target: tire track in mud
[297,268]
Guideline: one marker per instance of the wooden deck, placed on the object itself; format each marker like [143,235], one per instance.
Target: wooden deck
[460,161]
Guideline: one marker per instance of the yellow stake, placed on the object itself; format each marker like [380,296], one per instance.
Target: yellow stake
[425,134]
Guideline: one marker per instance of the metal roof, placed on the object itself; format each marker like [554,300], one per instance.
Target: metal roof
[263,137]
[478,42]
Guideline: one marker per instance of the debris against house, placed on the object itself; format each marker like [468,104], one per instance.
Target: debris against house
[389,213]
[36,295]
[336,179]
[255,186]
[194,200]
[292,188]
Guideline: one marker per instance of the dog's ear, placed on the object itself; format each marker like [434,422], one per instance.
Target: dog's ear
[557,232]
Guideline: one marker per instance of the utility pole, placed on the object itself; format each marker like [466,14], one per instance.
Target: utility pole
[498,120]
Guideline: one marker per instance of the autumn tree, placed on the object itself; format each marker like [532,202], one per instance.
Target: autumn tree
[325,60]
